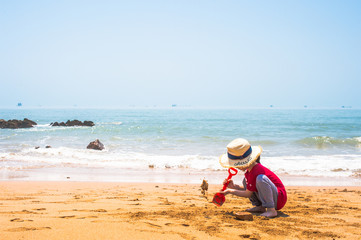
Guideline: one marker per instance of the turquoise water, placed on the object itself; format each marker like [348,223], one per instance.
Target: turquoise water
[300,142]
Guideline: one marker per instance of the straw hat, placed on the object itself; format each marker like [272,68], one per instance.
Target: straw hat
[240,154]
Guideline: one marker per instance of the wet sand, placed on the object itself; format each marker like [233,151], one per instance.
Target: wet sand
[93,210]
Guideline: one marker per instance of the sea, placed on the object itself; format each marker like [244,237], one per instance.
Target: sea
[181,145]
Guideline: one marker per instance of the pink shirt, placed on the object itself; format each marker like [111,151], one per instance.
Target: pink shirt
[260,169]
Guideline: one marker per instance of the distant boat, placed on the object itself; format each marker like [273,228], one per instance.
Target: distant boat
[20,104]
[174,105]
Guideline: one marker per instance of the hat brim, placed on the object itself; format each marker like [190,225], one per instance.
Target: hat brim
[241,163]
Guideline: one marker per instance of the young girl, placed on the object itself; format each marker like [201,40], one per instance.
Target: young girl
[260,185]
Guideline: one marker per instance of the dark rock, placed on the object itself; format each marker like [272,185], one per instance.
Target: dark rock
[96,145]
[48,146]
[2,123]
[88,123]
[29,121]
[25,124]
[72,123]
[13,124]
[37,147]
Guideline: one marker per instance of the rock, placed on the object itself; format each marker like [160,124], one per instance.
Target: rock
[244,216]
[72,123]
[29,121]
[25,124]
[37,147]
[88,123]
[96,145]
[13,124]
[48,146]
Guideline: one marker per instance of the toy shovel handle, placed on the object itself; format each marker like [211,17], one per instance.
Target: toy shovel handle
[231,174]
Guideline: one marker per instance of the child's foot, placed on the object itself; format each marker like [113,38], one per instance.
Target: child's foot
[270,213]
[256,209]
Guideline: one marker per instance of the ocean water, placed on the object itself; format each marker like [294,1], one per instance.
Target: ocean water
[322,143]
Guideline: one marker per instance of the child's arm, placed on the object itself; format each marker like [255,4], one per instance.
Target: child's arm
[239,193]
[238,187]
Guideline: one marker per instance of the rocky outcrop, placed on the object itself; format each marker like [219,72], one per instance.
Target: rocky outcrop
[13,124]
[88,123]
[56,124]
[72,123]
[96,145]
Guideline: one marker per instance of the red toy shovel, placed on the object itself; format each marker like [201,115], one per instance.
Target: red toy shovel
[219,198]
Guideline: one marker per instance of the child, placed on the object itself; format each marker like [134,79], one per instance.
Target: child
[260,185]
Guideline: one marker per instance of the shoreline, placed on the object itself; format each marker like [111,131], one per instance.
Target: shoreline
[104,210]
[175,176]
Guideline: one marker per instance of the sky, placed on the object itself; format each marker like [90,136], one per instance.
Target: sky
[233,53]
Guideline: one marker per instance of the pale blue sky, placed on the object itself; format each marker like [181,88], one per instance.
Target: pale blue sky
[190,53]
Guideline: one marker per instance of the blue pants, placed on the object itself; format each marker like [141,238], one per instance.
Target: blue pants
[267,192]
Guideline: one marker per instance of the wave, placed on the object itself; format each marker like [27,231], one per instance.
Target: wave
[63,157]
[103,159]
[316,165]
[326,141]
[48,128]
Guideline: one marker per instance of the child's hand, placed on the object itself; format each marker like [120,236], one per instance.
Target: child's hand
[230,183]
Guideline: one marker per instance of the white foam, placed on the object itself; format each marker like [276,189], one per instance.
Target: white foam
[48,128]
[107,159]
[317,165]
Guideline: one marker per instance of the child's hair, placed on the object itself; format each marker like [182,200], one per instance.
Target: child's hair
[258,159]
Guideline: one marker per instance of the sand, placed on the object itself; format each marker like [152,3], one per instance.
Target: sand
[88,210]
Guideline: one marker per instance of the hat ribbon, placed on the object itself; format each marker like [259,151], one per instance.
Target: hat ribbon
[246,154]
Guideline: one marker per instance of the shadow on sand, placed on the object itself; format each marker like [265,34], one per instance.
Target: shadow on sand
[280,214]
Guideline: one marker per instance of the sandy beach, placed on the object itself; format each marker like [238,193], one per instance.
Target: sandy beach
[112,113]
[93,210]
